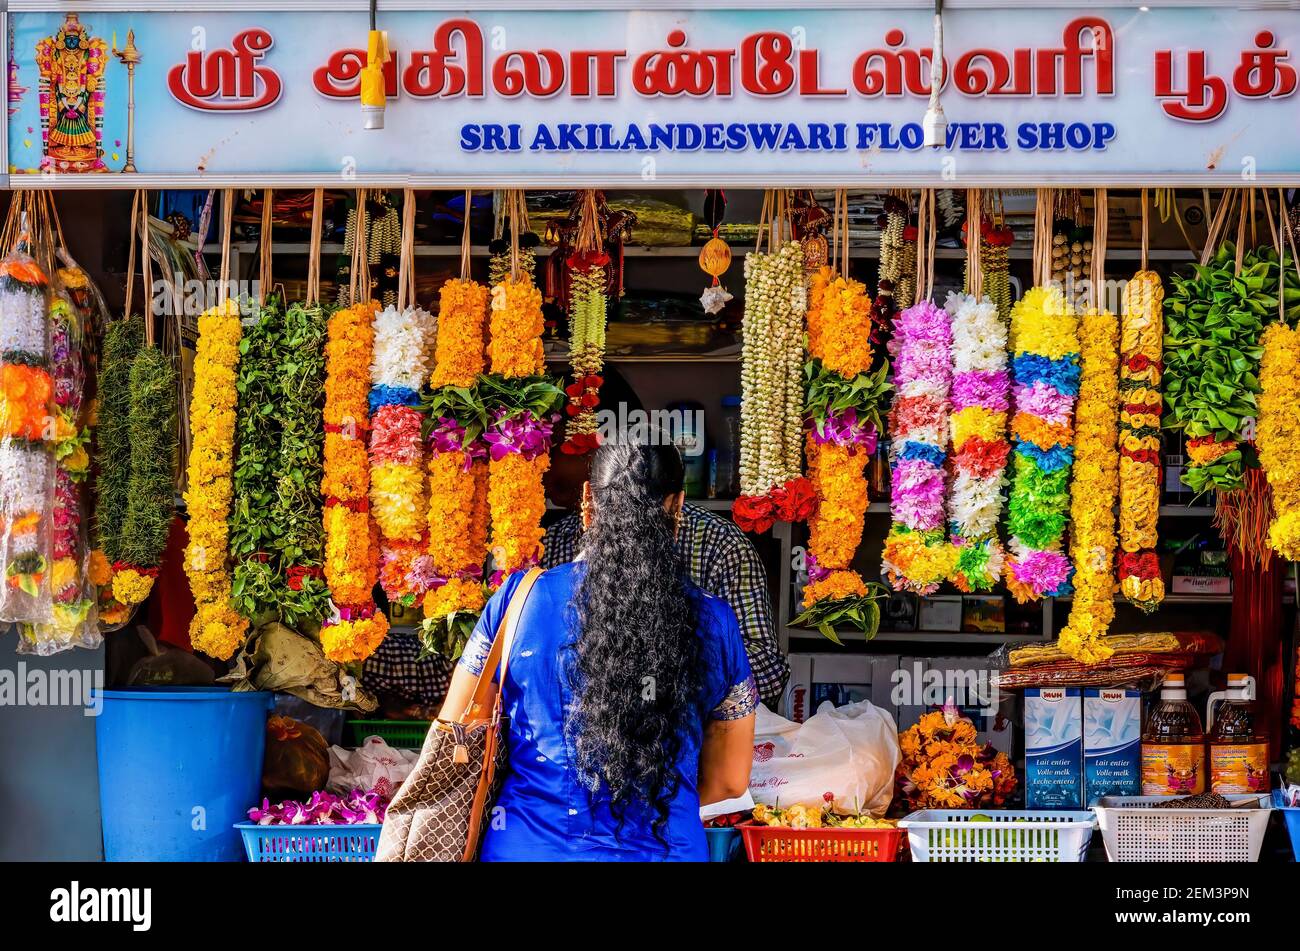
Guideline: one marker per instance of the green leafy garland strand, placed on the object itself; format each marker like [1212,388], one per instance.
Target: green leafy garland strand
[151,489]
[122,341]
[299,585]
[256,448]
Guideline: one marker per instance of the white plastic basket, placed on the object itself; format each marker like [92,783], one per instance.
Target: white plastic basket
[1135,831]
[1011,835]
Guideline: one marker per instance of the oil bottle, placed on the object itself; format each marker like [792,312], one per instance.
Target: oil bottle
[1173,744]
[1238,739]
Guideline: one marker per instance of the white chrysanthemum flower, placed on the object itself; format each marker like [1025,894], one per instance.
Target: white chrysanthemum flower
[403,351]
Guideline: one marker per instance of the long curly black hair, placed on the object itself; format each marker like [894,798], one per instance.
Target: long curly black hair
[636,653]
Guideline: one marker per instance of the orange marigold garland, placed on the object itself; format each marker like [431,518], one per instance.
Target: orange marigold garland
[351,546]
[842,408]
[457,473]
[1141,346]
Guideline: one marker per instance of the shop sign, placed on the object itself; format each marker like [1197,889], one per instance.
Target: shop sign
[613,96]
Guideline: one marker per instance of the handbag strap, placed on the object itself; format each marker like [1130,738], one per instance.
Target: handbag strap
[500,650]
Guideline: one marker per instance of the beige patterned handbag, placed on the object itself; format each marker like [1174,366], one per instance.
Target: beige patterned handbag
[437,814]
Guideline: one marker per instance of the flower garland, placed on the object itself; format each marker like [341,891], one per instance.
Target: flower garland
[1045,368]
[1278,435]
[1141,343]
[122,341]
[351,549]
[26,462]
[772,394]
[401,364]
[72,619]
[587,309]
[151,493]
[981,389]
[841,438]
[519,436]
[1094,491]
[918,556]
[216,629]
[457,469]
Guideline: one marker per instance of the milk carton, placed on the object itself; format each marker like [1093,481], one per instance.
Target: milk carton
[1053,748]
[1112,743]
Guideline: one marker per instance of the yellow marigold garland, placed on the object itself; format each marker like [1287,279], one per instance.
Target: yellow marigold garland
[1093,491]
[1277,437]
[216,629]
[1141,349]
[351,546]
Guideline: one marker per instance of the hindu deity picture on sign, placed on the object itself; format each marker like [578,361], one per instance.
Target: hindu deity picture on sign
[71,65]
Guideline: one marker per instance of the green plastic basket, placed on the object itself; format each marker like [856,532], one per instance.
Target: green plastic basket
[403,734]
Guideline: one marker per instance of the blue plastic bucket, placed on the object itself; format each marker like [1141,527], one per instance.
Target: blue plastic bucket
[178,767]
[1292,816]
[724,843]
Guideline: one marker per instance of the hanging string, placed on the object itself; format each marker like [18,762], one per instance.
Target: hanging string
[1288,232]
[512,206]
[926,236]
[974,242]
[227,215]
[763,217]
[1216,224]
[1281,254]
[314,245]
[405,261]
[146,269]
[1241,230]
[1146,235]
[465,249]
[1100,233]
[130,255]
[264,270]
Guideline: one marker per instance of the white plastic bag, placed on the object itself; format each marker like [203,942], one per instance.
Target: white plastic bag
[850,752]
[374,765]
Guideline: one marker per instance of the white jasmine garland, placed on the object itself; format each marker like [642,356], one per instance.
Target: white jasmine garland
[22,322]
[771,369]
[403,354]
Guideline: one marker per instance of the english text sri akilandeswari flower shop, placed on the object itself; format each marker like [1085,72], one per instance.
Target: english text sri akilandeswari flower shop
[976,326]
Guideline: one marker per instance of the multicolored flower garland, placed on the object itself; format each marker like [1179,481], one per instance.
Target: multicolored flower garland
[1278,434]
[216,629]
[1045,368]
[1141,346]
[981,389]
[72,617]
[842,405]
[1094,491]
[918,556]
[402,358]
[772,394]
[351,546]
[26,460]
[587,312]
[519,438]
[457,469]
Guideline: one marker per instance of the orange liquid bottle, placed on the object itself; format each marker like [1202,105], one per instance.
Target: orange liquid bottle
[1173,744]
[1238,740]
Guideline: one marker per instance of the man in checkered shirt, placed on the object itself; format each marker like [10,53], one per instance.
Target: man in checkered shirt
[723,562]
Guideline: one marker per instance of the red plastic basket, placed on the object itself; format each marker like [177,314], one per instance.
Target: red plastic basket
[780,844]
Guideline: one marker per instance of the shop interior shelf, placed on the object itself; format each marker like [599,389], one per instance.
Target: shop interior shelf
[924,637]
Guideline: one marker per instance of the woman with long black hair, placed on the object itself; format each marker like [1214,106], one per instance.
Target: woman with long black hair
[629,696]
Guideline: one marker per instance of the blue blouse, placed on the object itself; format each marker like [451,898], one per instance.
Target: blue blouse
[544,812]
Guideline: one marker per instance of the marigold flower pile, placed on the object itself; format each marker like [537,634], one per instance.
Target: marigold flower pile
[980,401]
[216,629]
[918,556]
[1045,370]
[402,356]
[1094,491]
[944,767]
[351,545]
[1278,434]
[1141,347]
